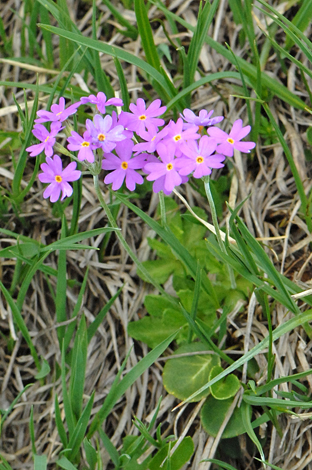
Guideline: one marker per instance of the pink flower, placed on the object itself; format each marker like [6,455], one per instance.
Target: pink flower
[103,134]
[177,136]
[57,113]
[101,101]
[47,139]
[152,138]
[164,173]
[124,166]
[198,157]
[202,120]
[231,141]
[58,178]
[142,118]
[83,145]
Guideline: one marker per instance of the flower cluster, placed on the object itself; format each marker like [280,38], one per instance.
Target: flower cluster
[134,142]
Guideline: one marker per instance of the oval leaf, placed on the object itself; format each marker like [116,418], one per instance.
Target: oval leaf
[226,387]
[183,376]
[212,416]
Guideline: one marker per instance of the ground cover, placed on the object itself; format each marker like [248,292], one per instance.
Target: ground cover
[99,290]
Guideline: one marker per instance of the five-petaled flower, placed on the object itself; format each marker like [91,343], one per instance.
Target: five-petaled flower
[58,112]
[124,166]
[231,141]
[53,173]
[100,101]
[83,145]
[47,139]
[202,120]
[103,134]
[199,157]
[141,118]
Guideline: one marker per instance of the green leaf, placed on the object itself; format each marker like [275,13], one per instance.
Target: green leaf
[185,375]
[146,33]
[153,331]
[65,463]
[44,371]
[78,368]
[301,19]
[225,388]
[91,454]
[212,416]
[179,457]
[40,462]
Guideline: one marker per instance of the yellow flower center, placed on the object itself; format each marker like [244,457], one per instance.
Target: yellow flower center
[230,141]
[169,166]
[101,137]
[199,159]
[153,138]
[142,117]
[85,144]
[46,140]
[124,165]
[177,137]
[200,129]
[58,178]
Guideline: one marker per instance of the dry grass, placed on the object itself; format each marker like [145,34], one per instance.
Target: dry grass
[270,213]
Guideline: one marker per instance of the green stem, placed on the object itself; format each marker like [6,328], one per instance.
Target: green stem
[216,226]
[123,242]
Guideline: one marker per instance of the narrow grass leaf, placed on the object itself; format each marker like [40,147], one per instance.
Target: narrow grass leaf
[136,371]
[275,402]
[111,449]
[21,324]
[66,464]
[301,19]
[6,413]
[92,329]
[248,69]
[78,368]
[114,51]
[277,333]
[61,286]
[123,85]
[59,423]
[221,464]
[80,429]
[91,454]
[180,251]
[40,462]
[146,33]
[249,429]
[32,430]
[131,30]
[69,416]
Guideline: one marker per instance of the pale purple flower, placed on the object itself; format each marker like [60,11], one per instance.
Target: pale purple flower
[164,173]
[231,141]
[47,139]
[177,136]
[103,134]
[58,112]
[121,120]
[141,118]
[198,157]
[202,120]
[83,145]
[58,178]
[124,166]
[152,138]
[101,102]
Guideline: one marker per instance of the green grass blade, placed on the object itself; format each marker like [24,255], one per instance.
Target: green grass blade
[249,429]
[294,322]
[180,251]
[69,416]
[113,51]
[301,20]
[78,368]
[40,462]
[92,329]
[80,430]
[59,423]
[248,69]
[111,449]
[66,464]
[21,324]
[146,33]
[123,85]
[127,381]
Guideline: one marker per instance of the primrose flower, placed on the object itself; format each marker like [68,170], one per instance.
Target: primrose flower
[103,134]
[164,173]
[83,145]
[142,118]
[198,157]
[47,139]
[101,102]
[58,178]
[58,112]
[124,166]
[177,136]
[231,141]
[152,138]
[202,120]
